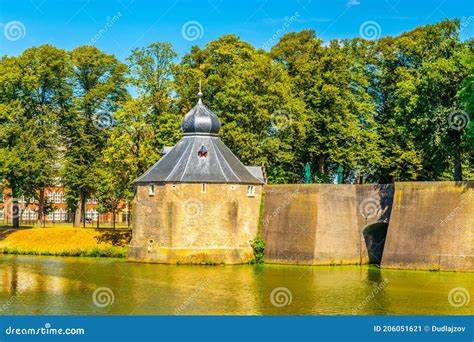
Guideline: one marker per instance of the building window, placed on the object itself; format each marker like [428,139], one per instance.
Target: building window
[50,197]
[57,197]
[64,215]
[151,189]
[50,216]
[250,191]
[32,214]
[57,215]
[203,187]
[202,153]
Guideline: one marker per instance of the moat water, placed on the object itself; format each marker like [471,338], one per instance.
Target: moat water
[31,285]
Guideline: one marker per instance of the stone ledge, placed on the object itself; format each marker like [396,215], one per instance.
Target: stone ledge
[192,256]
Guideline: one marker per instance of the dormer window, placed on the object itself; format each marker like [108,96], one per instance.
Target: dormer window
[151,189]
[202,153]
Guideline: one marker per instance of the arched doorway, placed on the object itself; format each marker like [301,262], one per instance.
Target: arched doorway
[374,236]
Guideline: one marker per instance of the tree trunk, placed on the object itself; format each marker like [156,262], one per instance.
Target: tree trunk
[83,200]
[77,215]
[344,177]
[128,214]
[458,172]
[320,164]
[41,207]
[15,209]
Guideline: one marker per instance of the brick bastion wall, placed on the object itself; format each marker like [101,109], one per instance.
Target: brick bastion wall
[418,225]
[182,224]
[431,227]
[321,224]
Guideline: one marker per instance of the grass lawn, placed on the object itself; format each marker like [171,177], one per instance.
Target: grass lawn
[26,224]
[65,241]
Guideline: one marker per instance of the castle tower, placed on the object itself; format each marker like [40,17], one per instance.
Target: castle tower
[198,203]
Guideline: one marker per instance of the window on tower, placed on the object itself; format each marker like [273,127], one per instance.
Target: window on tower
[202,153]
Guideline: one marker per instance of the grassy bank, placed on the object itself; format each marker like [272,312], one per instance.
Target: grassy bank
[34,224]
[62,241]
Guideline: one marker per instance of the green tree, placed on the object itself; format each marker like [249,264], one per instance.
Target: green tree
[152,72]
[262,120]
[141,127]
[128,154]
[332,81]
[99,87]
[34,92]
[466,99]
[419,75]
[44,94]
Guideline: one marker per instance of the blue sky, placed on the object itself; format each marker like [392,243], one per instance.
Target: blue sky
[117,26]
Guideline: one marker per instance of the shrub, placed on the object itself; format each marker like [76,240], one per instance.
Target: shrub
[258,245]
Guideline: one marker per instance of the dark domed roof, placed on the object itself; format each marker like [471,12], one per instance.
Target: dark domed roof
[200,121]
[200,156]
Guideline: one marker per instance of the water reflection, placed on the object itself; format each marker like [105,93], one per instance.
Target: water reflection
[42,285]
